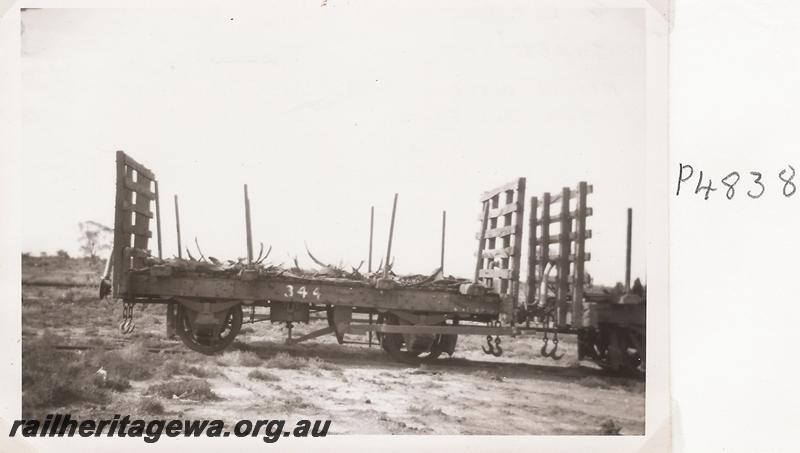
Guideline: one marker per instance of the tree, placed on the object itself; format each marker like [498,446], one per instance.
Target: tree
[95,238]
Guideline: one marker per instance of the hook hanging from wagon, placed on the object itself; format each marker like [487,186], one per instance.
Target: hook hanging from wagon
[498,351]
[490,349]
[493,346]
[552,353]
[126,325]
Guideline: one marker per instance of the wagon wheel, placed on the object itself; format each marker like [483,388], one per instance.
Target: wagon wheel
[411,348]
[207,339]
[620,350]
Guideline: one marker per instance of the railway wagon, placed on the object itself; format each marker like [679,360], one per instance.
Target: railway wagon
[414,318]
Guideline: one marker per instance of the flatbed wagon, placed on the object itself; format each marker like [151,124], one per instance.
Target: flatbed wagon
[413,318]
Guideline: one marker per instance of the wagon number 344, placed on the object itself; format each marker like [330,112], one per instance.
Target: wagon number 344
[290,292]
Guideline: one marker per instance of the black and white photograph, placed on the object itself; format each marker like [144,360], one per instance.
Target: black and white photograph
[399,225]
[333,219]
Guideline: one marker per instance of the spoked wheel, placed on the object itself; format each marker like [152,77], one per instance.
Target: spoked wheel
[412,348]
[209,335]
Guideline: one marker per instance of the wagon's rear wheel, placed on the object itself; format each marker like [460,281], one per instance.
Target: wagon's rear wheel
[412,348]
[616,349]
[208,333]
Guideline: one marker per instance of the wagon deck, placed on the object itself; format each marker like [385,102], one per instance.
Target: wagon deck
[309,290]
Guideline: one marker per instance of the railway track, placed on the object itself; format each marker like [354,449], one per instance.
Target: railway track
[115,345]
[58,284]
[519,369]
[155,350]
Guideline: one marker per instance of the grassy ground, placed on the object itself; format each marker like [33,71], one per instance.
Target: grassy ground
[359,388]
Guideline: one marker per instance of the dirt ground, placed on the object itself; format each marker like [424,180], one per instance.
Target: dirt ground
[357,387]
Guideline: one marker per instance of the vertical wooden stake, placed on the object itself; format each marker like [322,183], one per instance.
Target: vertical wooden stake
[532,251]
[391,233]
[158,220]
[515,264]
[444,227]
[628,251]
[544,256]
[371,227]
[580,256]
[121,240]
[178,227]
[564,252]
[247,226]
[481,242]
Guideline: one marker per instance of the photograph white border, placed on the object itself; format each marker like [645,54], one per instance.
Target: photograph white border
[657,428]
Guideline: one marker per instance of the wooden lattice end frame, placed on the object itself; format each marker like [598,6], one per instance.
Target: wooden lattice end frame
[136,191]
[568,261]
[500,242]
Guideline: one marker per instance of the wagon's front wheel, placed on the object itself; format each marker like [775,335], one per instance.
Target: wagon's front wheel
[208,333]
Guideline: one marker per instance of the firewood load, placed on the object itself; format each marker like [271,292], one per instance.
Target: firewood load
[260,269]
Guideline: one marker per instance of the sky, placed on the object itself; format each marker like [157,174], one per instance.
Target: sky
[326,111]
